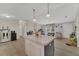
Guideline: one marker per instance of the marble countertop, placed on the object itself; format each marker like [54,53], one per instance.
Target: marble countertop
[42,40]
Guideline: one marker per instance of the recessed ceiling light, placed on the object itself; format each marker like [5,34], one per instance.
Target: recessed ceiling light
[34,20]
[7,16]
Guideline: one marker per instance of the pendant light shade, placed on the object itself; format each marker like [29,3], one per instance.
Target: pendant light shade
[34,18]
[48,14]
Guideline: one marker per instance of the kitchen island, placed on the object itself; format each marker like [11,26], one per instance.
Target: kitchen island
[39,46]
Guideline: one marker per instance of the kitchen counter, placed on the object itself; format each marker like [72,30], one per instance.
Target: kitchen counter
[42,40]
[40,46]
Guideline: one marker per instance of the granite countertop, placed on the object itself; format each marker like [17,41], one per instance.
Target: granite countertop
[42,40]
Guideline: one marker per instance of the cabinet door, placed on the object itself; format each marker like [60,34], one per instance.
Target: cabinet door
[27,47]
[35,49]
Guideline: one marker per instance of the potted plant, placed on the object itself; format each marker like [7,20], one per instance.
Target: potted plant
[73,39]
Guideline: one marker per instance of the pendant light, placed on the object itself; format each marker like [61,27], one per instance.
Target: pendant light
[34,18]
[48,14]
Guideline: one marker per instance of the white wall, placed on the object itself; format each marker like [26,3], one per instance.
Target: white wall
[77,30]
[31,26]
[12,24]
[20,26]
[26,26]
[68,28]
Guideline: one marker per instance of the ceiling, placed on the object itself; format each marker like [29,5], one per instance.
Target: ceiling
[59,12]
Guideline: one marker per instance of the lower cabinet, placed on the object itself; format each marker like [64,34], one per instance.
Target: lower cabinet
[27,47]
[35,49]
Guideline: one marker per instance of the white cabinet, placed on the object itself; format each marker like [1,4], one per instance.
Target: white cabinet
[27,47]
[33,48]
